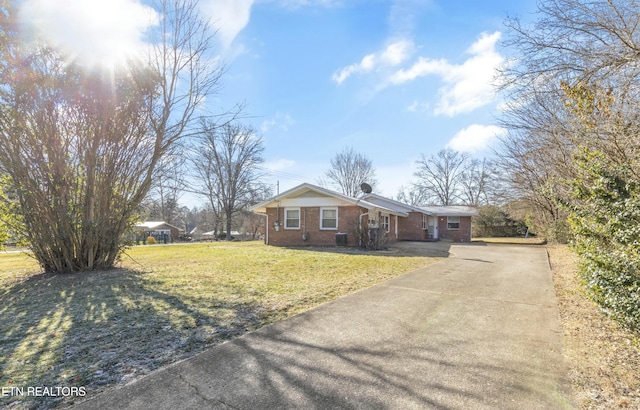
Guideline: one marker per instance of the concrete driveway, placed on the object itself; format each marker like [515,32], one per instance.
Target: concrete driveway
[479,330]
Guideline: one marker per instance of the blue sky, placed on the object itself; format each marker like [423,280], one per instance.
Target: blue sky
[393,79]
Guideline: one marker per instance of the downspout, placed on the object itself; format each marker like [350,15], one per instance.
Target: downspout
[266,231]
[304,223]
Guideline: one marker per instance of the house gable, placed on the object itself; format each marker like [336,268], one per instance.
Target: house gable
[312,198]
[308,195]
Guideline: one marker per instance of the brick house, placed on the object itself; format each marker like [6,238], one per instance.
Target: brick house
[160,230]
[311,215]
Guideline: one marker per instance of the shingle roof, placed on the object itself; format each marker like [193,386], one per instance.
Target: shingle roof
[261,207]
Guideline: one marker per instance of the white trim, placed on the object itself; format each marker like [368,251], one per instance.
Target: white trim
[385,217]
[286,219]
[450,220]
[396,227]
[328,208]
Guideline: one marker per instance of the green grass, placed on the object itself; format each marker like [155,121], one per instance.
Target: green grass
[163,304]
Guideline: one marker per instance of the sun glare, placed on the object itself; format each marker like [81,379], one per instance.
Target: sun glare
[94,33]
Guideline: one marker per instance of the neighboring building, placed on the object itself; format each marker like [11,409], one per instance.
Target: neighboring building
[161,231]
[312,215]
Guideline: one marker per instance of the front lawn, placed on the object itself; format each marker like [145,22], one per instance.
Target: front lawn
[165,302]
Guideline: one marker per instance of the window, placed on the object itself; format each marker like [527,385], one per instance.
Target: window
[384,222]
[453,222]
[292,218]
[328,218]
[425,221]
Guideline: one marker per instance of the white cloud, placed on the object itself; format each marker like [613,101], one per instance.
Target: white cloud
[468,85]
[229,17]
[282,121]
[397,52]
[267,125]
[365,65]
[94,31]
[417,106]
[475,138]
[392,55]
[421,68]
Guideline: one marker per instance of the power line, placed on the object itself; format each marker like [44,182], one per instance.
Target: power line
[282,174]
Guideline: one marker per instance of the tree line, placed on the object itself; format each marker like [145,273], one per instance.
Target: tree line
[572,150]
[448,177]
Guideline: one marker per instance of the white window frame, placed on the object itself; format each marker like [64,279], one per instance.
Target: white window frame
[453,220]
[385,222]
[323,228]
[425,222]
[286,218]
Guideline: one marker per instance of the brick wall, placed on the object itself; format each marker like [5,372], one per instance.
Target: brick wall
[456,235]
[410,228]
[310,225]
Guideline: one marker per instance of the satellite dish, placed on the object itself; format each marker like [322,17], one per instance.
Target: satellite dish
[366,188]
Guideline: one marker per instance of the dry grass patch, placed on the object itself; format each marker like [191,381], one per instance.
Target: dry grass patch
[603,358]
[163,304]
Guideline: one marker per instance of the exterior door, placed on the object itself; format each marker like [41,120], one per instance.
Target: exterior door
[433,227]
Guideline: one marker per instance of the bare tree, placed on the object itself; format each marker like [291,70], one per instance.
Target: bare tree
[439,176]
[226,162]
[412,195]
[590,47]
[348,171]
[480,183]
[169,186]
[591,40]
[82,149]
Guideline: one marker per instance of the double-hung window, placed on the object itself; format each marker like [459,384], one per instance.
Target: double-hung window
[453,222]
[328,218]
[292,218]
[384,222]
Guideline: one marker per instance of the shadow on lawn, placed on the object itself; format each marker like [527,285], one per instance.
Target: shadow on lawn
[98,329]
[439,249]
[324,366]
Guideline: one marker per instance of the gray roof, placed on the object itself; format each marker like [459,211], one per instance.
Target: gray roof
[369,202]
[272,202]
[451,210]
[151,225]
[393,204]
